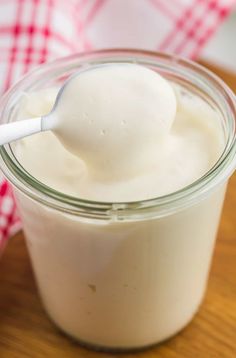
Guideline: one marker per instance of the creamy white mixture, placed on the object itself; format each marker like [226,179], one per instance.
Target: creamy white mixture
[114,117]
[132,136]
[122,284]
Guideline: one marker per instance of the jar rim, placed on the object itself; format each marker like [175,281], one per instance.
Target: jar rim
[132,210]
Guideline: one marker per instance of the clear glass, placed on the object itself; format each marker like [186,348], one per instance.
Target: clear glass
[123,276]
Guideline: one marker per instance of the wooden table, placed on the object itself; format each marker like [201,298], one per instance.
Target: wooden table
[25,330]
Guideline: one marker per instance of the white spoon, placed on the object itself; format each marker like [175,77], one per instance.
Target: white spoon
[110,116]
[16,130]
[96,93]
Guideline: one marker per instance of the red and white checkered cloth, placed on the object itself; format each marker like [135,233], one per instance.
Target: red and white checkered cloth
[34,31]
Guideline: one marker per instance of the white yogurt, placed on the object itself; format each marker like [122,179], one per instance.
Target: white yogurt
[115,117]
[118,121]
[122,284]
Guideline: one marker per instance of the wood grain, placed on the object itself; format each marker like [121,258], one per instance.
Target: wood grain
[25,330]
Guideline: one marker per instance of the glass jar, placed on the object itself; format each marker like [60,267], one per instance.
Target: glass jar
[121,276]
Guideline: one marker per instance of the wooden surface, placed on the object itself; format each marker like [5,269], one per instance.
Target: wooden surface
[25,330]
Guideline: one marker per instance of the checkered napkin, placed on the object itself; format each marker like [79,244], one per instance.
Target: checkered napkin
[35,31]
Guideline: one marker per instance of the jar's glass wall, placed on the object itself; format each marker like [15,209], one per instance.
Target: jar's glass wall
[122,275]
[122,285]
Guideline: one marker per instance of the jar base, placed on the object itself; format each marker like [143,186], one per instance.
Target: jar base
[113,349]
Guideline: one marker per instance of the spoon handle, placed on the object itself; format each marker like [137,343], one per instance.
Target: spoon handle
[16,130]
